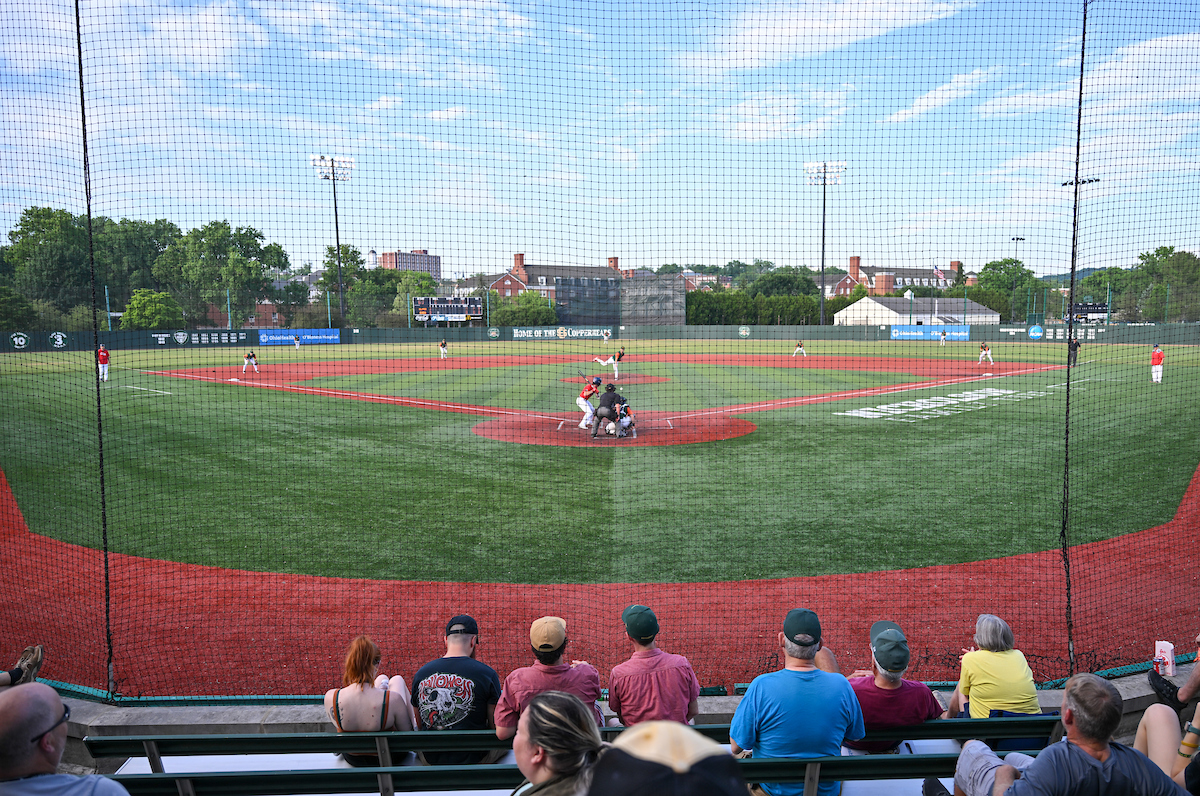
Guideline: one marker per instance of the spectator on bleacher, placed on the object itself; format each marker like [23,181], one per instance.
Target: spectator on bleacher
[652,684]
[457,692]
[26,668]
[664,758]
[886,698]
[368,701]
[33,736]
[1086,762]
[550,672]
[799,711]
[557,745]
[995,676]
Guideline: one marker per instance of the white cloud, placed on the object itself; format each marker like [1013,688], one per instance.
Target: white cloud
[772,33]
[960,86]
[385,103]
[448,114]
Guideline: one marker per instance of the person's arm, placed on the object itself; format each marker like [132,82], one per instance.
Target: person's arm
[693,709]
[1191,688]
[1006,775]
[504,733]
[734,748]
[826,661]
[491,716]
[401,706]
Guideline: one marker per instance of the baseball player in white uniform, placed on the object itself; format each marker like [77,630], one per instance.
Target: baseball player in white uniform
[248,360]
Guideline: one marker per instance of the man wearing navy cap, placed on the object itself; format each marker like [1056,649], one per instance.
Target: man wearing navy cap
[457,692]
[799,711]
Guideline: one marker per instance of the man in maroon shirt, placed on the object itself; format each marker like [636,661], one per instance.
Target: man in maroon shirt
[549,672]
[652,685]
[886,698]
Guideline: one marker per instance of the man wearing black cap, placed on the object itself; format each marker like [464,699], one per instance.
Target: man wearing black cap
[653,684]
[886,698]
[457,692]
[799,711]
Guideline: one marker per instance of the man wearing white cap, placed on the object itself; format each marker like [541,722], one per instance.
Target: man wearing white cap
[550,672]
[886,698]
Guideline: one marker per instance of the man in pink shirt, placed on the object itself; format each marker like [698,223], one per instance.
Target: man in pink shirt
[549,672]
[652,685]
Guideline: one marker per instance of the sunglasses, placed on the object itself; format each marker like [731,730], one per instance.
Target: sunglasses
[63,720]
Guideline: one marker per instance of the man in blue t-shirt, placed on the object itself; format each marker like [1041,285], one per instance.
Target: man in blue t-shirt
[799,711]
[457,692]
[1085,763]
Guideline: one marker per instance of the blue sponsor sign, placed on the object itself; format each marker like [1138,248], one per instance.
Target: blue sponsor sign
[307,336]
[1036,332]
[922,332]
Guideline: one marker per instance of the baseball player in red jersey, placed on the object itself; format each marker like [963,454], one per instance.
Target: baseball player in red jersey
[585,406]
[1156,365]
[102,359]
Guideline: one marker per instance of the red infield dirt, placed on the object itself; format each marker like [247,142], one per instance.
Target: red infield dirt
[195,630]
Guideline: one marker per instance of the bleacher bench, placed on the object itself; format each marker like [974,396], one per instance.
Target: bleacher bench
[388,778]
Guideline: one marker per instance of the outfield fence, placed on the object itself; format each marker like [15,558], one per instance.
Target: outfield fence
[195,524]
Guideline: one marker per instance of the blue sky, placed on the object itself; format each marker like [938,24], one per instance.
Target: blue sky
[652,131]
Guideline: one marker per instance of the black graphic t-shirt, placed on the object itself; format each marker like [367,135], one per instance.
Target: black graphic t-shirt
[454,694]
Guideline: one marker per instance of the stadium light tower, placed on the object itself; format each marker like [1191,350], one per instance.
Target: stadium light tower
[824,173]
[1016,253]
[334,169]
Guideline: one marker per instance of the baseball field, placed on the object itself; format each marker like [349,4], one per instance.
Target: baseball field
[363,466]
[375,456]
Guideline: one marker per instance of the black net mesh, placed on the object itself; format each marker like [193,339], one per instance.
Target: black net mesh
[832,257]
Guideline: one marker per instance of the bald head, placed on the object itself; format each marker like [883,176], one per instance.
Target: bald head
[25,712]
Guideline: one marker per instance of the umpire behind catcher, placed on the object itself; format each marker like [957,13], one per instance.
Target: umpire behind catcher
[607,410]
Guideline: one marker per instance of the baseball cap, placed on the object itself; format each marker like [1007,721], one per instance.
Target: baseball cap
[802,622]
[548,633]
[889,646]
[665,758]
[462,624]
[640,622]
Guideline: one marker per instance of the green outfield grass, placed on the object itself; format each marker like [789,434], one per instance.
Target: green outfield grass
[225,475]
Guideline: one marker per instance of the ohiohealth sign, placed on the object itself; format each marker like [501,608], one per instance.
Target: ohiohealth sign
[959,333]
[307,336]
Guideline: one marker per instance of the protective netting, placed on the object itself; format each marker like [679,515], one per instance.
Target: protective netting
[673,181]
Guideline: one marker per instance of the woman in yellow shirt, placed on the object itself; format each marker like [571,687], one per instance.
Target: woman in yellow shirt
[995,676]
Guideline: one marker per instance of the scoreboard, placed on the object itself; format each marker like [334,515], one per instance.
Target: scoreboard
[448,308]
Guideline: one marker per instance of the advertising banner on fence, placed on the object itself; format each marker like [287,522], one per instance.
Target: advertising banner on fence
[184,337]
[307,336]
[561,332]
[953,333]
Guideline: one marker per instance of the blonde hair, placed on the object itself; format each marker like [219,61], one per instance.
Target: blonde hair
[361,660]
[566,730]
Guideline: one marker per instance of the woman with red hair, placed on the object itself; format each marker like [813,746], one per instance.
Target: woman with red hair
[368,701]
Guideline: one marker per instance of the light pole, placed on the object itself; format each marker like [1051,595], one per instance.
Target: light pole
[824,173]
[334,169]
[1016,253]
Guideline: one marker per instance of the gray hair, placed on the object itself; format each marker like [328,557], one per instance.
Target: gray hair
[1096,704]
[804,652]
[891,677]
[993,633]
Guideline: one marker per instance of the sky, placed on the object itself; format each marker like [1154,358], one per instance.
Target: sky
[655,132]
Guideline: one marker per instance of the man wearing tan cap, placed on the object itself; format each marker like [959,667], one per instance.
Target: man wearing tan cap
[550,672]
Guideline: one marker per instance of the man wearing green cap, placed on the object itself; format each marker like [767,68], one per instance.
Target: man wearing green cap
[886,698]
[653,684]
[799,711]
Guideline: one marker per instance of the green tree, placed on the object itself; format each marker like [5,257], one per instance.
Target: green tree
[669,268]
[148,309]
[1010,277]
[787,281]
[288,299]
[215,265]
[16,312]
[525,309]
[58,272]
[352,267]
[125,255]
